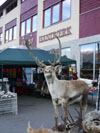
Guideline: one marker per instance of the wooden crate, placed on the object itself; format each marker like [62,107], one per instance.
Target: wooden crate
[9,105]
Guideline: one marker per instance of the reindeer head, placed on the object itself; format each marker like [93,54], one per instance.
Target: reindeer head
[52,68]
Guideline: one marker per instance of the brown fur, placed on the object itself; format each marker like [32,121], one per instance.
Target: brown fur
[40,130]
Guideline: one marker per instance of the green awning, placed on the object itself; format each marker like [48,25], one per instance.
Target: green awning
[21,57]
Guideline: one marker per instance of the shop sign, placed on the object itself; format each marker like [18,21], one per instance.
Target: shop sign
[59,33]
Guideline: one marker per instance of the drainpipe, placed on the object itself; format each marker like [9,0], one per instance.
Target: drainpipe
[2,75]
[98,96]
[94,64]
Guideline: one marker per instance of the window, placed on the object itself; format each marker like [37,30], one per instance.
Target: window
[28,74]
[23,28]
[66,52]
[10,34]
[11,6]
[1,38]
[34,25]
[47,16]
[86,63]
[7,36]
[1,14]
[28,25]
[90,60]
[66,9]
[22,1]
[56,13]
[14,33]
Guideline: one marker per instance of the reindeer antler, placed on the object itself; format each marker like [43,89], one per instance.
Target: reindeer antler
[39,63]
[55,53]
[55,60]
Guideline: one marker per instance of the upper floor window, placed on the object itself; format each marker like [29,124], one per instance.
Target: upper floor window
[23,28]
[1,38]
[34,24]
[66,52]
[22,1]
[56,13]
[14,32]
[7,36]
[10,34]
[11,6]
[1,14]
[47,17]
[66,9]
[29,25]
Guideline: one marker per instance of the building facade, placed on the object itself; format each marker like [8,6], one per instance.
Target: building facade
[76,23]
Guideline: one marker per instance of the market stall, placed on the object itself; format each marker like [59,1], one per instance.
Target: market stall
[14,62]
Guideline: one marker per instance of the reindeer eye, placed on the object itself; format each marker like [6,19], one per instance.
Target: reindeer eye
[46,71]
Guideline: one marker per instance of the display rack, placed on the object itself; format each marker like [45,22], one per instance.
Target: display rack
[9,105]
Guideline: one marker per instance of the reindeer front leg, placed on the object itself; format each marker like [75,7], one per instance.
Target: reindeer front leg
[56,113]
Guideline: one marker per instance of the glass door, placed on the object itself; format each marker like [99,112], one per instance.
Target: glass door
[87,61]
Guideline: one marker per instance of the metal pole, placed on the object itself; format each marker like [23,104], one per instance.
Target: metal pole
[94,64]
[98,96]
[2,75]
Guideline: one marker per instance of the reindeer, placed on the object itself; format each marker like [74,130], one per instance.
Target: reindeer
[62,91]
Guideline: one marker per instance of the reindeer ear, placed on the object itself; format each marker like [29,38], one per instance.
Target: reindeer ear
[41,69]
[57,67]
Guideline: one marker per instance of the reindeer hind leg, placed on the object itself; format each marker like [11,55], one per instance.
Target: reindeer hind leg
[84,101]
[64,106]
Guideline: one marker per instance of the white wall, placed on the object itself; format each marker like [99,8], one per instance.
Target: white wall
[6,18]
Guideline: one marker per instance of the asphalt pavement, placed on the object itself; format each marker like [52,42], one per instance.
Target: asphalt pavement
[38,110]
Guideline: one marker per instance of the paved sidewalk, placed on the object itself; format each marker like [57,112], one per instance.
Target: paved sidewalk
[39,111]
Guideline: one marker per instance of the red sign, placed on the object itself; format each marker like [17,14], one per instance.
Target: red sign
[59,33]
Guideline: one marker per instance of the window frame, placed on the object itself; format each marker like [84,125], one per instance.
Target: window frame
[12,35]
[25,26]
[60,13]
[22,1]
[11,7]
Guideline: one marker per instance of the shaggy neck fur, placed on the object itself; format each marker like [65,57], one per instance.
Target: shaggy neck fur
[50,78]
